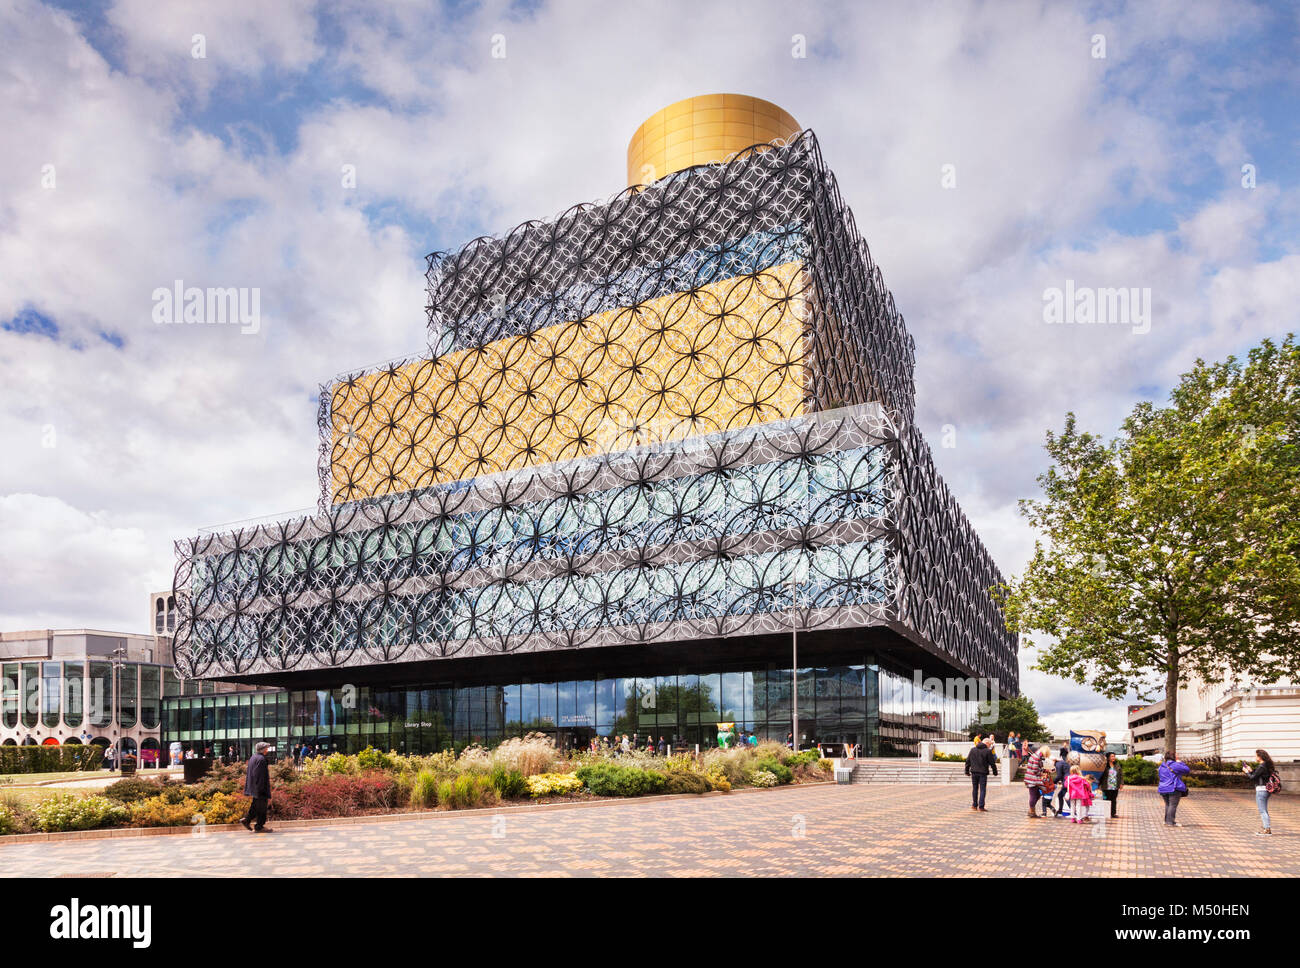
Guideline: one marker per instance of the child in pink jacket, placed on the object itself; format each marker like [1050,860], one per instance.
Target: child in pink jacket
[1079,790]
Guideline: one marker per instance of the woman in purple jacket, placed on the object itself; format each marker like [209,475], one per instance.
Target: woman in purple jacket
[1172,787]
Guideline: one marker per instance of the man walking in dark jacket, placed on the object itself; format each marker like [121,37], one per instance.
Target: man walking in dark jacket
[979,761]
[257,784]
[1062,771]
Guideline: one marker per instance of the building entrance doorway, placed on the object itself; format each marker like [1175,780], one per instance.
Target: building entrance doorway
[574,737]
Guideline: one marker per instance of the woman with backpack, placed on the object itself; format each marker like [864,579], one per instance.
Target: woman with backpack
[1172,787]
[1267,782]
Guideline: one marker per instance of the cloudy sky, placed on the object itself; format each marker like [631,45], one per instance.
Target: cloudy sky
[128,161]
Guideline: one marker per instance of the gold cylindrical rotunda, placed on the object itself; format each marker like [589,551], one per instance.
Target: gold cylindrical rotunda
[703,129]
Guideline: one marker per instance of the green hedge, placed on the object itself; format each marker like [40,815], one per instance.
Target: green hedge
[611,780]
[782,773]
[50,759]
[1139,771]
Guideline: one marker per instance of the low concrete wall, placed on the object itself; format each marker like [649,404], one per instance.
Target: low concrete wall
[1290,774]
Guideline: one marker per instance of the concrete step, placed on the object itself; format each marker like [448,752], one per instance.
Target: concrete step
[887,770]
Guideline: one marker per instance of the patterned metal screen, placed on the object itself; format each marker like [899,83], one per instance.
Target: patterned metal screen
[685,413]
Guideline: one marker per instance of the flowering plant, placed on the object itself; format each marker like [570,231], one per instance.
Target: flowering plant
[70,812]
[552,784]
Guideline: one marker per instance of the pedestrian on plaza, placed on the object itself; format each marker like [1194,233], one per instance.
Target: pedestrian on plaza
[625,747]
[1049,787]
[1171,786]
[663,746]
[1080,790]
[109,756]
[979,761]
[1034,778]
[1012,748]
[257,784]
[1062,771]
[1112,779]
[789,741]
[1267,782]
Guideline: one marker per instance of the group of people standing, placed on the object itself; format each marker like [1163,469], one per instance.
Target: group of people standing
[1051,779]
[627,744]
[303,752]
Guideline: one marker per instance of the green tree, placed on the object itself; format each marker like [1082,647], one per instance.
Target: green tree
[1015,714]
[1172,550]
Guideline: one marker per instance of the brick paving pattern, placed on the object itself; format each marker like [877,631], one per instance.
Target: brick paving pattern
[823,830]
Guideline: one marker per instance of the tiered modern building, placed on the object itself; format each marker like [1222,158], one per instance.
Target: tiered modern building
[657,446]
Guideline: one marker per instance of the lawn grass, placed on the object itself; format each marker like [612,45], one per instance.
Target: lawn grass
[30,796]
[26,779]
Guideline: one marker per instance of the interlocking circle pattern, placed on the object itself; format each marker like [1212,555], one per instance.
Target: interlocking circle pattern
[685,413]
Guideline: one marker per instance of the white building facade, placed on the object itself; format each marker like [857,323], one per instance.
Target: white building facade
[1231,720]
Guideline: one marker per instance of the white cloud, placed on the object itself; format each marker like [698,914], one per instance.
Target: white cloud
[196,45]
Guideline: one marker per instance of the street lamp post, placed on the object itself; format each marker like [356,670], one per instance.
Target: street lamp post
[794,682]
[115,703]
[793,585]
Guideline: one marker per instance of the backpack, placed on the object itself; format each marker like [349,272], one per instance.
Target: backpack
[1274,784]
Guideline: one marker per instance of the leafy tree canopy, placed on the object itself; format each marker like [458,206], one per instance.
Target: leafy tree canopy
[1174,549]
[1018,715]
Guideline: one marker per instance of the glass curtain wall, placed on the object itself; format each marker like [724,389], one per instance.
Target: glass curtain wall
[128,694]
[31,694]
[51,693]
[881,709]
[74,687]
[100,699]
[9,694]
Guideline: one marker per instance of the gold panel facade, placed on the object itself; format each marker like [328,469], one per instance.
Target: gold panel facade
[701,130]
[729,354]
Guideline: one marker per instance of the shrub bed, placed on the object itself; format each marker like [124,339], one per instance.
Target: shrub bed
[782,773]
[132,788]
[336,795]
[67,811]
[612,780]
[552,784]
[467,791]
[373,781]
[1139,771]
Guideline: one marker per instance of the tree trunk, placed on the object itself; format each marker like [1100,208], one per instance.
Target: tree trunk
[1171,704]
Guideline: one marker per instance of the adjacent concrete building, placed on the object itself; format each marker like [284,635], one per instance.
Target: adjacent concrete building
[89,686]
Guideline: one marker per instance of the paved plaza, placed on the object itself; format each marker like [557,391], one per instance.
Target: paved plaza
[823,830]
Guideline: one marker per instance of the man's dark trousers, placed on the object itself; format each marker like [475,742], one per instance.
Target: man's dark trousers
[979,784]
[257,812]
